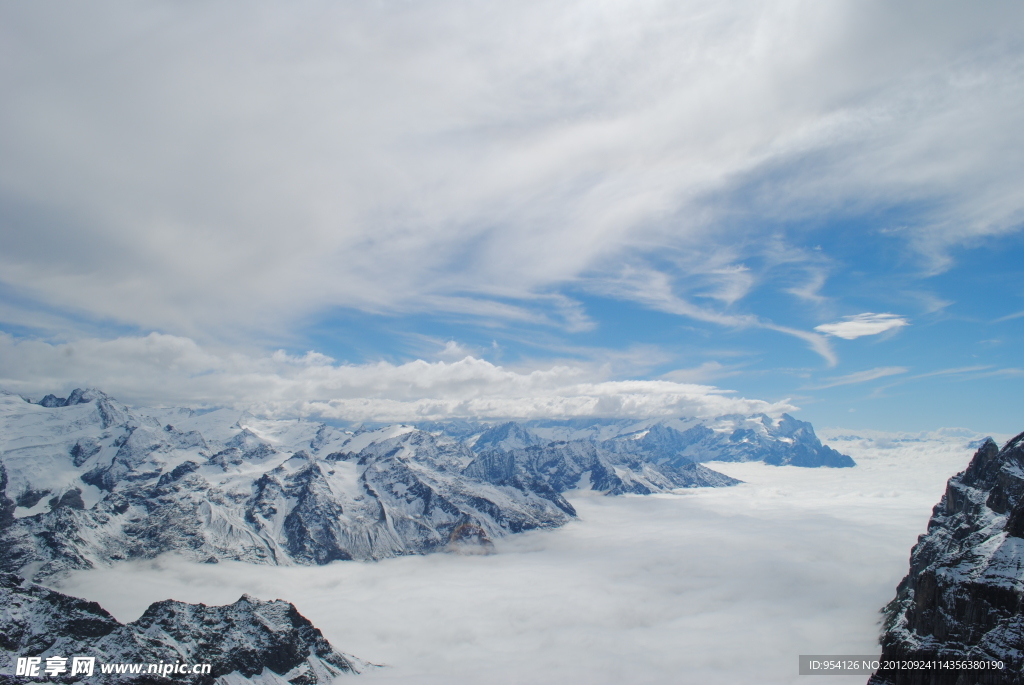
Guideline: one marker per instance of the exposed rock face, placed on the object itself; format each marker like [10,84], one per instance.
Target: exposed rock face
[964,595]
[241,640]
[7,505]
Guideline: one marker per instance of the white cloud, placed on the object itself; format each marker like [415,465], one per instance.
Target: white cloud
[167,370]
[859,325]
[222,172]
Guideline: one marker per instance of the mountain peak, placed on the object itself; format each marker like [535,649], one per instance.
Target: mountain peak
[505,436]
[961,597]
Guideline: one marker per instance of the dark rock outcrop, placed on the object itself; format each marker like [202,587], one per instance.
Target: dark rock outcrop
[964,595]
[246,638]
[7,505]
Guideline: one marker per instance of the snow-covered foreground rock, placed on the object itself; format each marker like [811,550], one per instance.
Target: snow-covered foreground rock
[709,586]
[248,641]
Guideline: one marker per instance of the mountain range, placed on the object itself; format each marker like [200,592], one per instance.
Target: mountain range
[86,480]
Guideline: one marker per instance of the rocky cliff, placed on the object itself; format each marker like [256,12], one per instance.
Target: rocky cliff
[964,595]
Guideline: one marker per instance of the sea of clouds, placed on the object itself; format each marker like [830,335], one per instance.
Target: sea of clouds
[706,586]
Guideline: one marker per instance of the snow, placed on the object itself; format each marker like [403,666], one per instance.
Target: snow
[361,441]
[584,483]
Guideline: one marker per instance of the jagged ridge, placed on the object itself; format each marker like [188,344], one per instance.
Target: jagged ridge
[248,638]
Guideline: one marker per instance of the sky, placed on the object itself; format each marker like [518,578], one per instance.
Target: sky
[402,210]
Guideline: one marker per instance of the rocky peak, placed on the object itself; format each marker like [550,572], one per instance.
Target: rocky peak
[964,595]
[244,640]
[51,401]
[505,436]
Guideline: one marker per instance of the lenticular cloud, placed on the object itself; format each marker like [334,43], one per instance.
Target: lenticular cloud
[860,325]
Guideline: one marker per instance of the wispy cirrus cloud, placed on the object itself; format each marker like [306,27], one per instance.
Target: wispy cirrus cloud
[655,289]
[708,371]
[952,372]
[1009,317]
[860,325]
[975,372]
[860,377]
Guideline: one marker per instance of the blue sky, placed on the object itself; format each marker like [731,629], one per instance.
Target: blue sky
[399,211]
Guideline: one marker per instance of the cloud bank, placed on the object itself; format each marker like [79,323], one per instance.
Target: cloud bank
[169,370]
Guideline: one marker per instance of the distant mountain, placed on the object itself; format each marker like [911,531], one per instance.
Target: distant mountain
[86,481]
[250,641]
[505,436]
[963,598]
[508,451]
[677,442]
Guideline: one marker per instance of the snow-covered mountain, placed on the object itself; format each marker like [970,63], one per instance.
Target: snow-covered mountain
[677,442]
[250,641]
[962,599]
[509,451]
[87,480]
